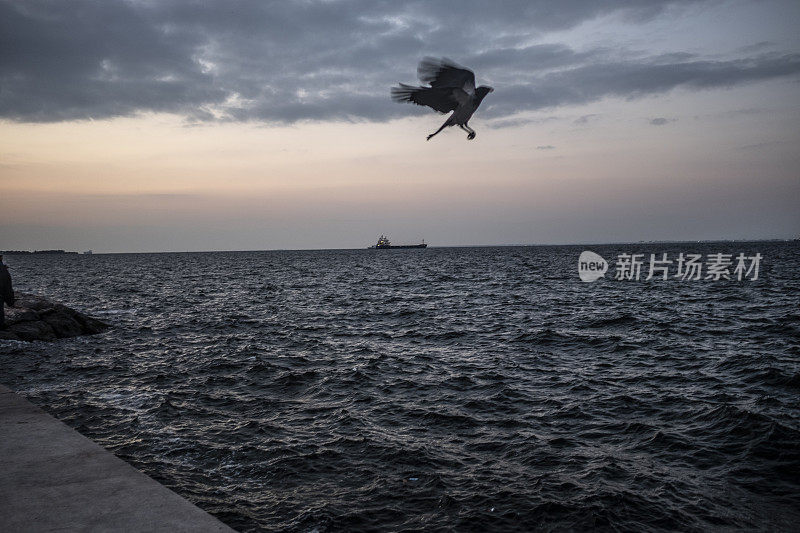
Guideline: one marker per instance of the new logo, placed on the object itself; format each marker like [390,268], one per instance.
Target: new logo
[591,266]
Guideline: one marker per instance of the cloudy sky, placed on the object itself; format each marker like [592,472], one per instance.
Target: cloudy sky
[199,125]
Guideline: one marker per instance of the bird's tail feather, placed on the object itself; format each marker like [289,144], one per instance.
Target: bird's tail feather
[405,93]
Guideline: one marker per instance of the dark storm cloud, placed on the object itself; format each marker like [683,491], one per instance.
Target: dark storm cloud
[634,78]
[313,60]
[66,60]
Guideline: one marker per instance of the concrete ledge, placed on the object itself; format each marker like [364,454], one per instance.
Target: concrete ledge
[54,479]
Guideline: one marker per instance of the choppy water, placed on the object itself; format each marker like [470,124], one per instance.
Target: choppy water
[465,389]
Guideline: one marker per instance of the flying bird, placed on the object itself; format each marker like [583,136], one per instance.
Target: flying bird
[452,88]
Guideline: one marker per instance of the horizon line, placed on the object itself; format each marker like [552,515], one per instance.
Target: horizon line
[509,245]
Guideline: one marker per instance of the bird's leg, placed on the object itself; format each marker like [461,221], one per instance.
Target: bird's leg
[437,131]
[470,131]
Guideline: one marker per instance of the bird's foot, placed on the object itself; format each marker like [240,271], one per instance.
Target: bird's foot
[471,136]
[428,138]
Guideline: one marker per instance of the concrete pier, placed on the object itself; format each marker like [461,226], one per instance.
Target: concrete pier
[54,479]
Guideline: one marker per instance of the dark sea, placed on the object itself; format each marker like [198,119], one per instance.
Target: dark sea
[447,389]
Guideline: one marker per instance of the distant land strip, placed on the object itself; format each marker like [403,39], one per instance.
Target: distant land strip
[9,252]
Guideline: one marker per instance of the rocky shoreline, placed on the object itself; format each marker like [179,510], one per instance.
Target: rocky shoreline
[35,318]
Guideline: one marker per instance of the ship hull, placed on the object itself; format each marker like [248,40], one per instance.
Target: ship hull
[393,247]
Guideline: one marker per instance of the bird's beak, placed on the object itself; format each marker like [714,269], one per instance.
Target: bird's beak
[491,89]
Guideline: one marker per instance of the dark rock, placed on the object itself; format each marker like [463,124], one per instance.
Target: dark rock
[20,314]
[62,322]
[36,330]
[7,335]
[37,318]
[90,325]
[32,301]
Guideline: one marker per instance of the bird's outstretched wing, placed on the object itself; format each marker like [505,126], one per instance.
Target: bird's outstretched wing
[442,99]
[446,73]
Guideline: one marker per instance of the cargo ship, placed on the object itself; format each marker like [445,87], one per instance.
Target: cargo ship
[383,243]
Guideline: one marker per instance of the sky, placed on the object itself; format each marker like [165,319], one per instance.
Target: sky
[214,125]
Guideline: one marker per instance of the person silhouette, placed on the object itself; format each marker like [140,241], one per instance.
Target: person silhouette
[6,292]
